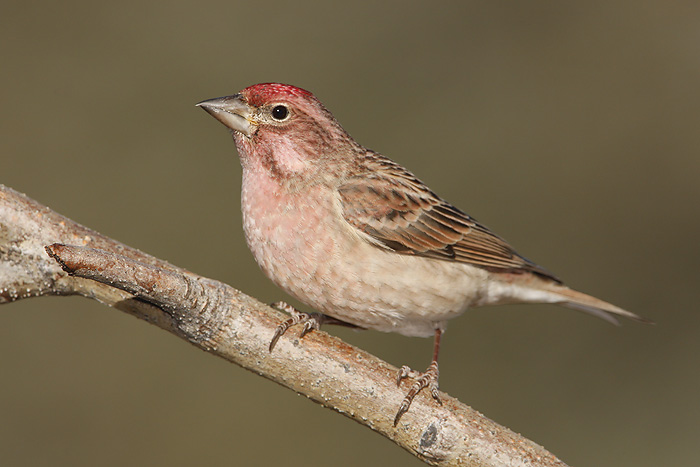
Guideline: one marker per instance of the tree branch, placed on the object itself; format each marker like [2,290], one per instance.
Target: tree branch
[225,322]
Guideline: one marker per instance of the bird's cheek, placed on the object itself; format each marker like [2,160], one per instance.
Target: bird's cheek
[288,158]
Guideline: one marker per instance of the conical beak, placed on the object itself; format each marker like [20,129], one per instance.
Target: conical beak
[232,111]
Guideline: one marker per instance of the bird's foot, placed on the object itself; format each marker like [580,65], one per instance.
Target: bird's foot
[311,321]
[428,379]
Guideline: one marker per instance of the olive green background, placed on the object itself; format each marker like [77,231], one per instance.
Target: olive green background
[570,128]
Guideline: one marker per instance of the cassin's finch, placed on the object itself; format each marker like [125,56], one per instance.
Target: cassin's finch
[360,238]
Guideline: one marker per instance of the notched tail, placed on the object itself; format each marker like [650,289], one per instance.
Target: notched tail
[595,306]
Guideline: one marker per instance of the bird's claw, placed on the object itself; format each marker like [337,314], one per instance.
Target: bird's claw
[428,379]
[311,321]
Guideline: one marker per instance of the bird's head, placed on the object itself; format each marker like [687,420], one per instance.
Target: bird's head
[280,126]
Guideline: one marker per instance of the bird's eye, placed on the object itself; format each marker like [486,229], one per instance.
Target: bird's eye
[280,112]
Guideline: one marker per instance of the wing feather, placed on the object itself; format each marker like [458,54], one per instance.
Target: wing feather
[400,213]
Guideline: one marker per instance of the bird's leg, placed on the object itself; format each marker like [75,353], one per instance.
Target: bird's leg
[423,380]
[311,321]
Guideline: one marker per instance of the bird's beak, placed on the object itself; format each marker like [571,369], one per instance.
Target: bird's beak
[233,112]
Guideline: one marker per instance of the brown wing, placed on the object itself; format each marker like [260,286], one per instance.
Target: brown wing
[400,213]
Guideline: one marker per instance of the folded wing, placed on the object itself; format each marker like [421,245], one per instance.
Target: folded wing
[400,213]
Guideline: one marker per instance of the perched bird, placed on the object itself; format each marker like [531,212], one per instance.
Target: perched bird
[359,238]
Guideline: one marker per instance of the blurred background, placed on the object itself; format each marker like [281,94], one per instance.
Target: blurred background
[570,128]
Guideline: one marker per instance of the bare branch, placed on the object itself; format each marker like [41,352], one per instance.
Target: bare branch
[238,328]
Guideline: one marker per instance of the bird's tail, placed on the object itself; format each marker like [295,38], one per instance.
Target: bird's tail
[589,304]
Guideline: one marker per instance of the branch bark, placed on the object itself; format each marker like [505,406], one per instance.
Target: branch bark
[44,253]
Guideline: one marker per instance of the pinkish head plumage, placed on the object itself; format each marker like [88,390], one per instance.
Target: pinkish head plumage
[264,93]
[290,125]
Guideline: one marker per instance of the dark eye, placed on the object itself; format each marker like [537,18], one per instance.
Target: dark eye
[280,112]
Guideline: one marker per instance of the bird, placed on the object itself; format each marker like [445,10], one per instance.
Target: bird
[360,239]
